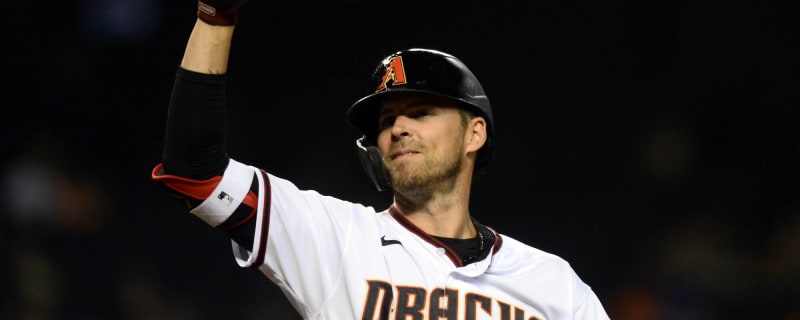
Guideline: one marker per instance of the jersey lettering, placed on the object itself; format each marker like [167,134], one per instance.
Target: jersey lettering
[444,304]
[473,300]
[505,312]
[414,303]
[410,302]
[380,293]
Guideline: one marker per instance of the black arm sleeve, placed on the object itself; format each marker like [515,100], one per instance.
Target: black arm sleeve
[194,145]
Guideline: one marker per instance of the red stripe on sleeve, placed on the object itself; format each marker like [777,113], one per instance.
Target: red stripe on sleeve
[198,189]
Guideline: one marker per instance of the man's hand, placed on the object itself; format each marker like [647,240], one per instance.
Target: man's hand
[219,12]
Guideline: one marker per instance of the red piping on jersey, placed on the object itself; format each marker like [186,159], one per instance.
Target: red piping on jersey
[400,217]
[198,189]
[262,248]
[498,241]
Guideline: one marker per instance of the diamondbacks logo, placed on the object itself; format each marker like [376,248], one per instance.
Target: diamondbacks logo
[395,74]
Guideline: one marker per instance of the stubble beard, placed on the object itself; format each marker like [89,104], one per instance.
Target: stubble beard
[416,180]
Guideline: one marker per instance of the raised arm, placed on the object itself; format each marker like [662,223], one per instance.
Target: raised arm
[194,145]
[210,41]
[208,48]
[194,158]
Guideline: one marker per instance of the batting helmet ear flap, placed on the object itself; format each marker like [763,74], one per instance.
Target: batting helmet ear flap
[372,162]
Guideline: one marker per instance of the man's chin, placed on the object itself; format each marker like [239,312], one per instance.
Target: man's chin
[403,182]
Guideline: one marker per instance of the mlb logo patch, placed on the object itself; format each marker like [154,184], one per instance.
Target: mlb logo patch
[225,198]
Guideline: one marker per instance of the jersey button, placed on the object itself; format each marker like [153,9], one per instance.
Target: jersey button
[440,251]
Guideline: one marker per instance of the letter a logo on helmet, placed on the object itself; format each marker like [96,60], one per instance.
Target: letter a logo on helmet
[394,74]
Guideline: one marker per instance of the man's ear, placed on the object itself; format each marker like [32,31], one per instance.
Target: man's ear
[476,134]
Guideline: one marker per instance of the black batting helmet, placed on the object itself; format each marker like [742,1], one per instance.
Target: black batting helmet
[430,71]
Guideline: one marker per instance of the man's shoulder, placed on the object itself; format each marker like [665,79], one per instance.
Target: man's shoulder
[523,253]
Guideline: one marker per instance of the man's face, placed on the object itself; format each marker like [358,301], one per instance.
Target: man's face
[422,139]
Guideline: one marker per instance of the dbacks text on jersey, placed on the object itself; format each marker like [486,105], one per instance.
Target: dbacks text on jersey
[417,303]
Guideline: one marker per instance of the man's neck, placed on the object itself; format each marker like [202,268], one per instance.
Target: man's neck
[439,217]
[441,209]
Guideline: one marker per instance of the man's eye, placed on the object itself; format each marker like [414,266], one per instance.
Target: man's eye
[420,113]
[386,121]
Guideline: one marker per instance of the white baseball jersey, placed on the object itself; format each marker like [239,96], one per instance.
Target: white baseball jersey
[336,259]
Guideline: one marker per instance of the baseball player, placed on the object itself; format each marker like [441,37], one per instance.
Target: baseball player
[427,127]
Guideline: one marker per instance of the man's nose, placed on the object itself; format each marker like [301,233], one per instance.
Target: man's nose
[400,127]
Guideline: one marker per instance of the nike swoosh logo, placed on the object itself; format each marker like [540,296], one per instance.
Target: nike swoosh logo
[385,242]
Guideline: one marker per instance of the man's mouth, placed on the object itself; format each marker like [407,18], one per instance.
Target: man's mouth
[402,154]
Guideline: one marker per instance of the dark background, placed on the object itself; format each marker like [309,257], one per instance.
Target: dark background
[651,144]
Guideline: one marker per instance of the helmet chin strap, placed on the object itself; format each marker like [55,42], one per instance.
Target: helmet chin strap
[372,162]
